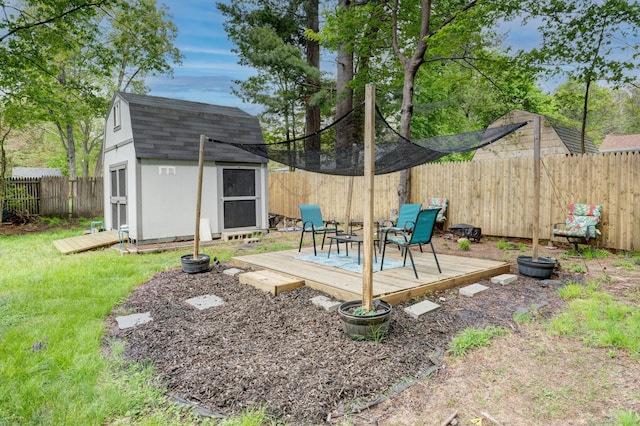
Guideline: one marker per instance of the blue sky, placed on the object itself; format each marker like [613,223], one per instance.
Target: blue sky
[209,66]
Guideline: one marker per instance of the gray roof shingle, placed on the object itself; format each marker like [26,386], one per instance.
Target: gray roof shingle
[571,138]
[165,128]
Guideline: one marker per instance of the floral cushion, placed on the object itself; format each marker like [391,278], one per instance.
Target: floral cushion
[441,203]
[581,221]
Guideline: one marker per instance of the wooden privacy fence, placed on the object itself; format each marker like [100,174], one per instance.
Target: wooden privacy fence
[495,195]
[55,196]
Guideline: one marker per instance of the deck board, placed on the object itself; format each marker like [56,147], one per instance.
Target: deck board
[392,285]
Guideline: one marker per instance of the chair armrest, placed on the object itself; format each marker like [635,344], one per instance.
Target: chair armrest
[555,225]
[406,229]
[387,223]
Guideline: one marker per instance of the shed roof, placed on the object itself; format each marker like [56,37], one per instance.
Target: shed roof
[613,143]
[35,172]
[570,136]
[165,128]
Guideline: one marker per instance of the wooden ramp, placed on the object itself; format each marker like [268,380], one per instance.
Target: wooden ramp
[87,242]
[391,285]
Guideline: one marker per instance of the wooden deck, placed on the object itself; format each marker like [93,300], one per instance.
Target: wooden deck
[86,242]
[391,285]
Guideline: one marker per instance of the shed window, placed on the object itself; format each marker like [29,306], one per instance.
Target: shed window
[116,116]
[239,182]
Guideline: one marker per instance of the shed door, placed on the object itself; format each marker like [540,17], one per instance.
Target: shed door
[118,198]
[239,198]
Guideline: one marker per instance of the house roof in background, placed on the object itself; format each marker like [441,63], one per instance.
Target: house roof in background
[614,143]
[570,136]
[165,128]
[34,172]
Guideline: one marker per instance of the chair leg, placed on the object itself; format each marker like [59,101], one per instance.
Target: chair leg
[384,248]
[313,236]
[301,237]
[435,257]
[412,262]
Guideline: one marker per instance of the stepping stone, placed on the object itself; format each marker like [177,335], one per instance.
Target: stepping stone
[205,302]
[129,321]
[232,271]
[421,308]
[325,303]
[504,279]
[473,289]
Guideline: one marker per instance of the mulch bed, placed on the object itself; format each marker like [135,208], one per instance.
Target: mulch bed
[293,358]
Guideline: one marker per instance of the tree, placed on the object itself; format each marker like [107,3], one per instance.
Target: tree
[587,40]
[601,119]
[283,25]
[68,68]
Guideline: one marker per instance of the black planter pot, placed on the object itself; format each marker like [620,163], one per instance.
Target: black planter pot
[365,327]
[194,266]
[541,269]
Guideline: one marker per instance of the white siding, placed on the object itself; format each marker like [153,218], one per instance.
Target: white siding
[118,150]
[168,200]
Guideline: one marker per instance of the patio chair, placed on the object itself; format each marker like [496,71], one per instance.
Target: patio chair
[580,225]
[421,234]
[403,224]
[439,203]
[406,219]
[313,223]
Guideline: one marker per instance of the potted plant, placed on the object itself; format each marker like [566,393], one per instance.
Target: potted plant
[360,323]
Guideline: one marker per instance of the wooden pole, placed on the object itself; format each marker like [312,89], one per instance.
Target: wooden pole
[369,172]
[196,236]
[536,186]
[349,198]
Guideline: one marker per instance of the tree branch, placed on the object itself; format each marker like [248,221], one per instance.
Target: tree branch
[52,19]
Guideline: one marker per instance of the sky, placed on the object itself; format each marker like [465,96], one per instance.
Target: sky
[209,67]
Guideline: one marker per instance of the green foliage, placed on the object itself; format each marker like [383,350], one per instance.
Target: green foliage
[471,338]
[598,319]
[576,268]
[626,418]
[464,245]
[65,60]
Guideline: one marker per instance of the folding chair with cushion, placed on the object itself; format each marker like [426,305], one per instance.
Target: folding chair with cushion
[421,234]
[580,225]
[312,222]
[439,203]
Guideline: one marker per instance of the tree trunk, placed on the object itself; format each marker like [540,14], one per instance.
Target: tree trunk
[344,94]
[406,113]
[71,152]
[313,119]
[98,170]
[585,110]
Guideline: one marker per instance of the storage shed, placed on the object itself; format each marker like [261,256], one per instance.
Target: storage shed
[150,157]
[555,138]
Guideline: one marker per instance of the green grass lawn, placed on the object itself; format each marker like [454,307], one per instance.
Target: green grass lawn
[54,369]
